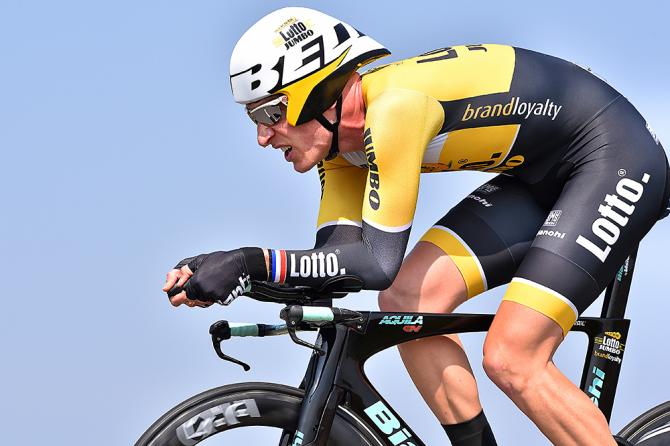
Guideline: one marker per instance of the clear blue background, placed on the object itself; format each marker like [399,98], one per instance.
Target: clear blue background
[122,152]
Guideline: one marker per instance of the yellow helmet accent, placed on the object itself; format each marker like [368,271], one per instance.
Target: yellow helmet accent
[298,92]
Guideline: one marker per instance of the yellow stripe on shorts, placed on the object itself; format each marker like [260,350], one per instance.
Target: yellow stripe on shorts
[465,259]
[544,300]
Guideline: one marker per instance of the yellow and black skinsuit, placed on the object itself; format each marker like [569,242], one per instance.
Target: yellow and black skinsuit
[581,178]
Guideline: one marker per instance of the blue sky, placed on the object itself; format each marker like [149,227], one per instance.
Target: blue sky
[123,152]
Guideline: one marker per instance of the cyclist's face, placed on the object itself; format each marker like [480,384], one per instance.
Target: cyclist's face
[304,145]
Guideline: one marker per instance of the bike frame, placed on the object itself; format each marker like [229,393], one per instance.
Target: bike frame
[337,378]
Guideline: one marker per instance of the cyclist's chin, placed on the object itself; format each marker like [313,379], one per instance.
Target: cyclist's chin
[301,166]
[304,163]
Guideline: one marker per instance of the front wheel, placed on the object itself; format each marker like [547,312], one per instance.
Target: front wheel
[266,410]
[652,428]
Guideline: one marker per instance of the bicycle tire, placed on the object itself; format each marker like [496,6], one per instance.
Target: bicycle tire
[229,407]
[651,428]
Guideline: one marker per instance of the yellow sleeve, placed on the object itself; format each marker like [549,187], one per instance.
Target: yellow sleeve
[342,186]
[399,125]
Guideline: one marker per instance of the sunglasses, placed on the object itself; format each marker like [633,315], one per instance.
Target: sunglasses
[268,113]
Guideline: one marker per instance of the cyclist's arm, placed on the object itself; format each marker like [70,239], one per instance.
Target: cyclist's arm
[399,125]
[342,189]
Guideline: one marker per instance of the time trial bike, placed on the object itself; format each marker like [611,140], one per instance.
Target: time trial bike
[336,404]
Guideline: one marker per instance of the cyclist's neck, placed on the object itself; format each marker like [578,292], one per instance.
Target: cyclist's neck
[352,122]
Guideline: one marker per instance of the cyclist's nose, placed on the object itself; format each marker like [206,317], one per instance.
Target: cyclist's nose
[264,134]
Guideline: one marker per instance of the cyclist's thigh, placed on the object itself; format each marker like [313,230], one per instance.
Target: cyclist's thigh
[489,232]
[613,196]
[428,281]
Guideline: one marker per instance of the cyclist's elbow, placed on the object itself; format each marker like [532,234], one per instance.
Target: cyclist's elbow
[381,279]
[381,283]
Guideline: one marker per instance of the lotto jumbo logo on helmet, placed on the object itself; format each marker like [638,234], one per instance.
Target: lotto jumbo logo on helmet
[302,53]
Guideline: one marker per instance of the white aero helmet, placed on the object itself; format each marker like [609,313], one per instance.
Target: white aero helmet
[303,54]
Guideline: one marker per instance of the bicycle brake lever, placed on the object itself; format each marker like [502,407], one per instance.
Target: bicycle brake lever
[220,331]
[297,340]
[293,316]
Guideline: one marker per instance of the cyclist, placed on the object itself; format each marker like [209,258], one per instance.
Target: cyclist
[582,179]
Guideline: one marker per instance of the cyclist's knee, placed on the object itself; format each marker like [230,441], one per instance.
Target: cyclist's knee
[508,368]
[519,347]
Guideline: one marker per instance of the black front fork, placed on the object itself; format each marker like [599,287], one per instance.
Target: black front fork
[322,397]
[607,341]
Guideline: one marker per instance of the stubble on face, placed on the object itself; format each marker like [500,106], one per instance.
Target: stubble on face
[310,142]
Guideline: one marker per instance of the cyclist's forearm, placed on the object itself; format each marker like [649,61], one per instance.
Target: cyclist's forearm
[315,266]
[373,256]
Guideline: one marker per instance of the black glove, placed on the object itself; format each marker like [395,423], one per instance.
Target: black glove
[223,276]
[185,262]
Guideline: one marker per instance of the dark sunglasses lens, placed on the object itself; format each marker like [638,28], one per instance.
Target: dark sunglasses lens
[267,115]
[275,116]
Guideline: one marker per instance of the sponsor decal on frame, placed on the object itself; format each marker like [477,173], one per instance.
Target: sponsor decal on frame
[609,346]
[388,424]
[411,324]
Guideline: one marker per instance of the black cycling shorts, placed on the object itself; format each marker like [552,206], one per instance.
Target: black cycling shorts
[560,240]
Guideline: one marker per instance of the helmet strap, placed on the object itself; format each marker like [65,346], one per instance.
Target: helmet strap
[332,127]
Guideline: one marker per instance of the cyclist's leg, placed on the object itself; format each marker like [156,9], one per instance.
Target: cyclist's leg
[459,258]
[517,358]
[612,198]
[429,281]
